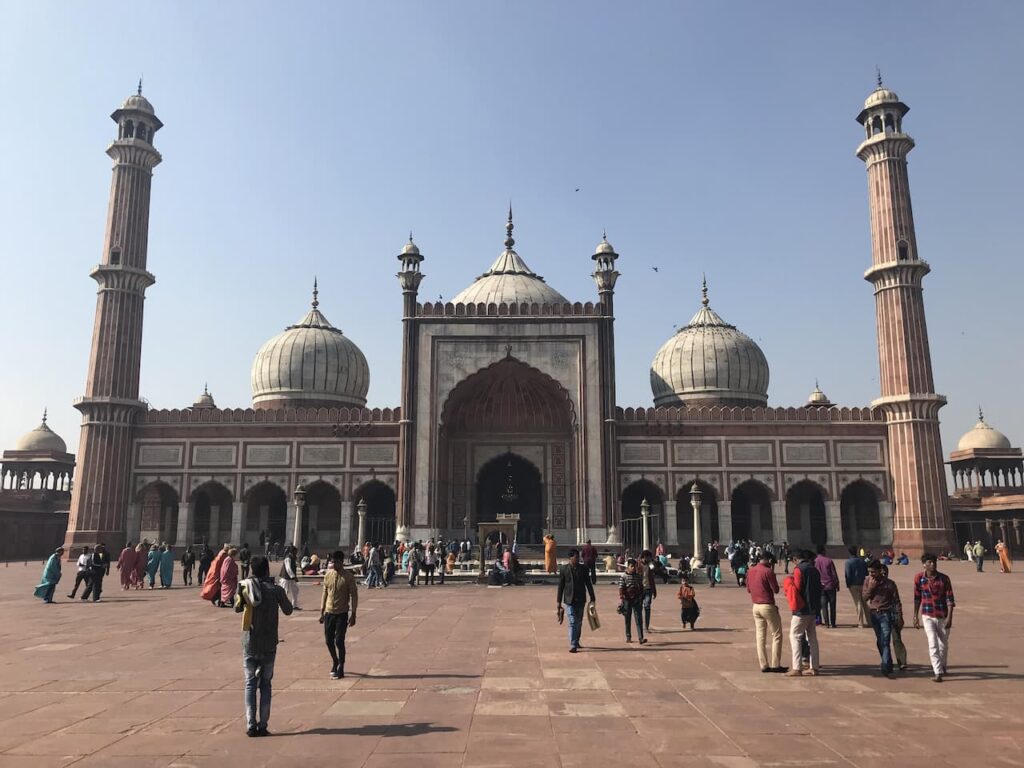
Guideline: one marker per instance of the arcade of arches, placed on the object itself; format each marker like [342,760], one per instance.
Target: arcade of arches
[507,444]
[379,523]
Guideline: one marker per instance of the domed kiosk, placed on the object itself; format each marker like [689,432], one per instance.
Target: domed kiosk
[709,362]
[310,364]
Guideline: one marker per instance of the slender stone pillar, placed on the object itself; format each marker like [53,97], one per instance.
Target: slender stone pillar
[237,511]
[346,524]
[780,531]
[184,524]
[724,523]
[834,524]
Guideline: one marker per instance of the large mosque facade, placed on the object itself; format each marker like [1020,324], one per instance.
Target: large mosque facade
[508,407]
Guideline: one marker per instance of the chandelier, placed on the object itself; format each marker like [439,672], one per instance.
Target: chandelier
[510,494]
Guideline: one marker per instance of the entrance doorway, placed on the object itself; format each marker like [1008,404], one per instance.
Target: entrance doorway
[509,484]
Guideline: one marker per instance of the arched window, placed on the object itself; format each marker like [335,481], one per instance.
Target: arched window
[115,255]
[890,124]
[876,124]
[902,250]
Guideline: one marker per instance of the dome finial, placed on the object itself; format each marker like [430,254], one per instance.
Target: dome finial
[138,91]
[44,414]
[206,387]
[316,293]
[509,241]
[981,416]
[704,291]
[878,76]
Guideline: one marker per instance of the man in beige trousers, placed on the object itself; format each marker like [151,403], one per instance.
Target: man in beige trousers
[855,572]
[763,586]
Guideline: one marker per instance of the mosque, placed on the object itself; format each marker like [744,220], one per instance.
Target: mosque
[508,412]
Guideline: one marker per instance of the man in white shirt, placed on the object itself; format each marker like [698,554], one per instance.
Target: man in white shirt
[84,561]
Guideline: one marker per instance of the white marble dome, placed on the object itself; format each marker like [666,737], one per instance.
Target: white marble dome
[881,96]
[709,362]
[509,281]
[983,437]
[311,363]
[42,439]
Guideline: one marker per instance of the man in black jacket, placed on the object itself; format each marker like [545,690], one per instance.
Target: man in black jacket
[807,581]
[573,587]
[711,560]
[99,565]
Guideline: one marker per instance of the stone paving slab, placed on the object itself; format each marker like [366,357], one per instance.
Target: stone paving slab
[462,676]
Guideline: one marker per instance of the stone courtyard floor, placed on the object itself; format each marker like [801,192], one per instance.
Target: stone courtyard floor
[462,675]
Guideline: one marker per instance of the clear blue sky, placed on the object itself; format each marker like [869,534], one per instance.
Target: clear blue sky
[306,138]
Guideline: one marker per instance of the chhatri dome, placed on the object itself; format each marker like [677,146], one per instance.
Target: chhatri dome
[709,362]
[310,364]
[509,280]
[42,439]
[983,437]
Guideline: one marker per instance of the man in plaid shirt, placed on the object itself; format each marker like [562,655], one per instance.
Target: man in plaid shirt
[933,605]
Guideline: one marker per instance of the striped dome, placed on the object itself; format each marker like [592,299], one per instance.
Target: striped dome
[311,363]
[709,362]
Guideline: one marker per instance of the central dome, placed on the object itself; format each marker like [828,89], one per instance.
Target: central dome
[509,281]
[709,362]
[311,364]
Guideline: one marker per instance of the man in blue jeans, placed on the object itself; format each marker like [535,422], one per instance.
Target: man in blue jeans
[883,601]
[573,587]
[259,599]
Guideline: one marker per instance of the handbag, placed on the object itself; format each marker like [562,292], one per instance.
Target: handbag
[592,617]
[718,574]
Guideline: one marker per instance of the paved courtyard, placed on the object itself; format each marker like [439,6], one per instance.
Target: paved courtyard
[462,675]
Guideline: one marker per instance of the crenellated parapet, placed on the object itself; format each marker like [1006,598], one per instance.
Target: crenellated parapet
[339,416]
[746,414]
[449,309]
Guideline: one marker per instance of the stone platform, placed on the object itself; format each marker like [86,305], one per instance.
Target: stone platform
[474,677]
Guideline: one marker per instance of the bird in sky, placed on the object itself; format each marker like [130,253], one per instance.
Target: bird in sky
[577,189]
[655,269]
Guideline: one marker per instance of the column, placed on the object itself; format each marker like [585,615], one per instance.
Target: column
[237,509]
[314,520]
[184,534]
[134,523]
[671,523]
[834,524]
[214,537]
[289,523]
[645,520]
[780,530]
[264,515]
[361,511]
[724,523]
[885,521]
[346,524]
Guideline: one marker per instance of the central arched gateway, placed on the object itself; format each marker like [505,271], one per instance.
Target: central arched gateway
[507,445]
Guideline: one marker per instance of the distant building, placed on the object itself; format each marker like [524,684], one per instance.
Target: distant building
[35,494]
[508,407]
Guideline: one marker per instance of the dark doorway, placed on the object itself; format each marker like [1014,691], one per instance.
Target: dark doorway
[509,484]
[273,498]
[380,513]
[858,509]
[752,512]
[205,499]
[805,515]
[632,522]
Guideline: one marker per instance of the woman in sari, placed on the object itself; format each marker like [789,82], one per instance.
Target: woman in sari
[166,567]
[550,547]
[51,575]
[126,565]
[228,578]
[1005,562]
[141,558]
[152,565]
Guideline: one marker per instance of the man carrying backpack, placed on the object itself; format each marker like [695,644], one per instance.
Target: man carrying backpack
[803,591]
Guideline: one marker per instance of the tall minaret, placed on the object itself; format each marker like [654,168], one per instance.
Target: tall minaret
[99,504]
[921,517]
[409,277]
[605,276]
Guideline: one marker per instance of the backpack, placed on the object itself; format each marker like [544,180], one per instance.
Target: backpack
[793,594]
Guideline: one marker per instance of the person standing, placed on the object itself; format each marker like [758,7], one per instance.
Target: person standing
[188,563]
[631,596]
[141,558]
[152,565]
[126,566]
[289,576]
[84,572]
[763,586]
[51,575]
[205,560]
[99,566]
[883,600]
[969,551]
[646,570]
[711,560]
[829,587]
[244,558]
[855,571]
[899,650]
[166,567]
[550,559]
[588,556]
[979,556]
[259,601]
[805,597]
[429,564]
[574,586]
[787,554]
[1005,562]
[229,578]
[933,607]
[413,565]
[338,611]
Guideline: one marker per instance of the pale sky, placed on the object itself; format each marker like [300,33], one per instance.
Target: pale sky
[309,138]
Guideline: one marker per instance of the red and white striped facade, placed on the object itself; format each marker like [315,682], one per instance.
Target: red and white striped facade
[921,517]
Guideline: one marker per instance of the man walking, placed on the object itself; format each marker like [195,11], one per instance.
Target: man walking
[338,611]
[99,566]
[259,599]
[855,572]
[763,586]
[806,589]
[979,556]
[244,558]
[883,600]
[646,570]
[711,560]
[829,586]
[933,606]
[83,571]
[588,554]
[574,586]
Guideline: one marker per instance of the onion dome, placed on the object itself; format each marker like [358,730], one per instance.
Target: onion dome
[509,281]
[881,96]
[41,439]
[205,400]
[310,364]
[818,399]
[983,437]
[709,362]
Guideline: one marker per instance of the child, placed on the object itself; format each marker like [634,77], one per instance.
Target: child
[689,610]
